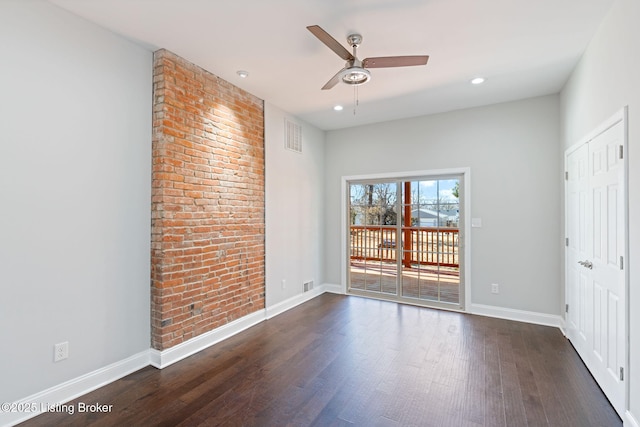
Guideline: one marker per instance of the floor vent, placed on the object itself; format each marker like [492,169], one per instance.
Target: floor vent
[292,136]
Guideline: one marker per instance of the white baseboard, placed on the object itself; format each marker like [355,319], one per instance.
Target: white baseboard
[74,388]
[629,420]
[517,315]
[288,304]
[333,288]
[164,358]
[563,326]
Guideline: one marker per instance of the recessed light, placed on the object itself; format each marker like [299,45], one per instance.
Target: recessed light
[477,81]
[338,108]
[243,74]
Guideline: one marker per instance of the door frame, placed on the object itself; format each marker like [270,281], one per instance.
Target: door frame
[620,116]
[465,219]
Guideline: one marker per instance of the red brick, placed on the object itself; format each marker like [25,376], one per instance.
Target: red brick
[207,202]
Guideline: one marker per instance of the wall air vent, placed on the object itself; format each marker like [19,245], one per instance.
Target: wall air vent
[292,136]
[307,286]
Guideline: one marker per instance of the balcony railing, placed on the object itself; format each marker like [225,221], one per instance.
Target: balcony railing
[419,245]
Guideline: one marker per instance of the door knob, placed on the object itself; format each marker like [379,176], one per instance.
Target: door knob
[587,264]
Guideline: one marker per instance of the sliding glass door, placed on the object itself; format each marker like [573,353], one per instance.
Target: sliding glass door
[404,240]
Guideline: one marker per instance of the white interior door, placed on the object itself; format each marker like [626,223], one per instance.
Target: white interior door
[579,327]
[595,277]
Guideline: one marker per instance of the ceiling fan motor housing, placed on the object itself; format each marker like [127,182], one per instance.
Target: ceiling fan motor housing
[354,40]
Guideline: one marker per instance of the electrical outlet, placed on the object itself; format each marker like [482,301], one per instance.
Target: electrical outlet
[284,284]
[61,351]
[495,288]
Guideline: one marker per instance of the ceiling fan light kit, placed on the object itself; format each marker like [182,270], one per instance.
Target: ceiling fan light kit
[355,76]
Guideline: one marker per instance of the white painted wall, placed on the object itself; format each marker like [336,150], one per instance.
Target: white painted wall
[294,208]
[75,168]
[605,80]
[512,150]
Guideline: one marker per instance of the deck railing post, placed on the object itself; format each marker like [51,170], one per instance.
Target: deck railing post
[407,244]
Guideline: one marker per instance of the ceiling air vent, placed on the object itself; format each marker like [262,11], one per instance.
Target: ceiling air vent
[292,136]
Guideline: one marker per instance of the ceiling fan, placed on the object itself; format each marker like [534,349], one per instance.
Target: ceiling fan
[356,72]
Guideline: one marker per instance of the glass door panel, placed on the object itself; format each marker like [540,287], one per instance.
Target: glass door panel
[431,269]
[373,240]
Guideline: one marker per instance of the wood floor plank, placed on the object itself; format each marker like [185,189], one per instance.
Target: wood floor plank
[494,410]
[532,402]
[349,361]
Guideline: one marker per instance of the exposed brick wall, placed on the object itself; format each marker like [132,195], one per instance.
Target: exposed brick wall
[207,202]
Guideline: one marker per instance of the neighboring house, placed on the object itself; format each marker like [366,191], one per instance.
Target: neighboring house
[429,218]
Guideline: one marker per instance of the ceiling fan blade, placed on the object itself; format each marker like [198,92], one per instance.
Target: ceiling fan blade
[330,42]
[334,80]
[395,61]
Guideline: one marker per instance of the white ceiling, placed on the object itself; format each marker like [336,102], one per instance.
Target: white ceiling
[523,48]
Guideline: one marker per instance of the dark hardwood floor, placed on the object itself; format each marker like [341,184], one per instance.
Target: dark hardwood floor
[340,360]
